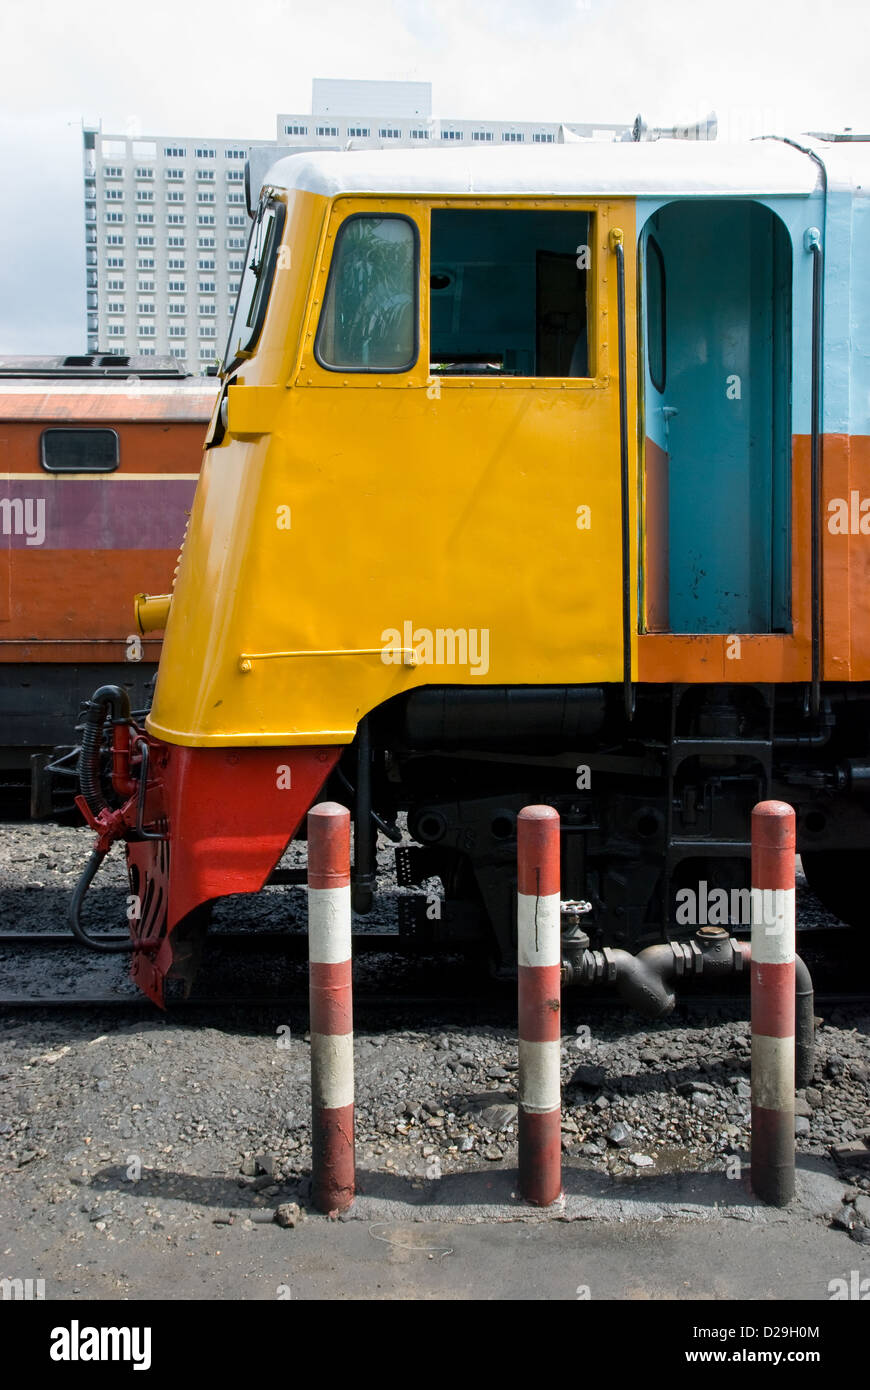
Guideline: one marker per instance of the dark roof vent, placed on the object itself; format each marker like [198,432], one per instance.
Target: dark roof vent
[93,366]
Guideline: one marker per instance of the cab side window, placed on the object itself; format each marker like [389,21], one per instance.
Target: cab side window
[510,293]
[369,319]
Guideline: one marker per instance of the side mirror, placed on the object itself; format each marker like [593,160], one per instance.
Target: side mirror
[248,200]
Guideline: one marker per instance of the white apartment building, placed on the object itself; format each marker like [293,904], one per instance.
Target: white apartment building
[166,229]
[166,225]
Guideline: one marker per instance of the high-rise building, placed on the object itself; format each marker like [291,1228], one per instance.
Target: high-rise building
[166,229]
[166,226]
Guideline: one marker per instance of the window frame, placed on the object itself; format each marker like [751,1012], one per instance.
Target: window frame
[66,429]
[598,213]
[653,246]
[232,357]
[373,215]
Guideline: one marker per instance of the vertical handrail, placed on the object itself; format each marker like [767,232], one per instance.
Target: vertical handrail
[364,834]
[616,245]
[813,244]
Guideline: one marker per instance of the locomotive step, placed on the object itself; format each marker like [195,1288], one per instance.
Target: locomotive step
[699,846]
[691,746]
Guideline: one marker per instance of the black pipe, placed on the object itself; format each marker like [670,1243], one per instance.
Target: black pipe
[817,740]
[804,1026]
[643,980]
[627,688]
[109,947]
[364,836]
[108,697]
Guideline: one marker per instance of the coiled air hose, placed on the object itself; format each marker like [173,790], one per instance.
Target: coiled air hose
[108,697]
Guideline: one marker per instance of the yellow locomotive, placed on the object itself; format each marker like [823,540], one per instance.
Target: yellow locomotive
[519,488]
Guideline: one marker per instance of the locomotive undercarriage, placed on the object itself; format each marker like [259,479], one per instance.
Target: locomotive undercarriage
[655,814]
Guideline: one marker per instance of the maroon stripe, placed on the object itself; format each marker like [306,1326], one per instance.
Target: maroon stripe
[538,851]
[333,1169]
[95,513]
[772,1156]
[540,1156]
[330,998]
[540,1003]
[773,845]
[772,995]
[328,846]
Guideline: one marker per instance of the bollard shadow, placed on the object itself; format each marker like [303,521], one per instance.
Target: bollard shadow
[492,1193]
[581,1088]
[483,1191]
[588,1194]
[589,1082]
[209,1191]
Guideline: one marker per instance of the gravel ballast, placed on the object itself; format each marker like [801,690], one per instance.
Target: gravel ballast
[141,1127]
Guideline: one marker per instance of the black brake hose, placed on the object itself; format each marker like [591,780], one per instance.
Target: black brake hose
[75,909]
[108,697]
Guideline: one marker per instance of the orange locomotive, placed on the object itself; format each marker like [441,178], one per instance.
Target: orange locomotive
[99,457]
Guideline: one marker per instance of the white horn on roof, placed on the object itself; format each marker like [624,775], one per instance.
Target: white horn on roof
[701,130]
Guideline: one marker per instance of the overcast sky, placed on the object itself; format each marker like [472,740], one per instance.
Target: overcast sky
[226,67]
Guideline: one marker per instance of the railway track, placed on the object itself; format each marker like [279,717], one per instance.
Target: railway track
[289,943]
[364,1004]
[465,990]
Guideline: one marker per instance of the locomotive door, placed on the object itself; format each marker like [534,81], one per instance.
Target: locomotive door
[716,278]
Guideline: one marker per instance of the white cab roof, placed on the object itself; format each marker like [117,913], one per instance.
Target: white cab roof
[767,168]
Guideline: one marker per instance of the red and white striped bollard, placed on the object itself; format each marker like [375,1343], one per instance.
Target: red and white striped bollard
[773,1002]
[333,1170]
[539,957]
